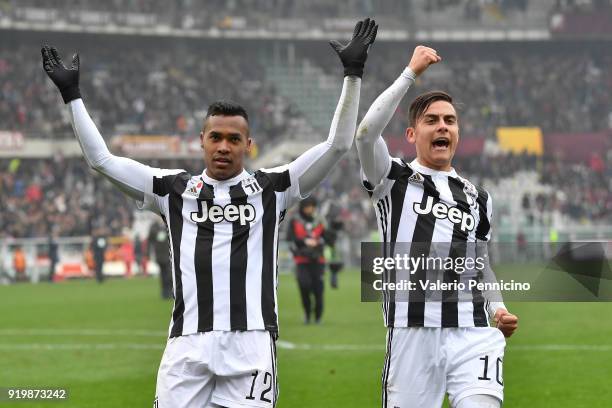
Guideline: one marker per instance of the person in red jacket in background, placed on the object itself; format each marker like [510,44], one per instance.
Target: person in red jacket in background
[306,237]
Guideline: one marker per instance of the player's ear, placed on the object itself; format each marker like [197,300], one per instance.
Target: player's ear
[249,144]
[202,138]
[410,136]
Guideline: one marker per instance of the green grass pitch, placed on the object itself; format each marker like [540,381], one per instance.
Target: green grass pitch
[104,343]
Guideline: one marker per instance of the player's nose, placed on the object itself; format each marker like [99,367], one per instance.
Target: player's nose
[442,128]
[224,146]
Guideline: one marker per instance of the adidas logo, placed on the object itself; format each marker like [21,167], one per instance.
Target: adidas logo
[416,178]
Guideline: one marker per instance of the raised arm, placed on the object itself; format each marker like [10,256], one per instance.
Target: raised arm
[129,175]
[371,147]
[312,166]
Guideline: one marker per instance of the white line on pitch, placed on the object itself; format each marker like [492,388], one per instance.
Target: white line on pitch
[81,332]
[562,347]
[369,347]
[79,346]
[329,347]
[282,344]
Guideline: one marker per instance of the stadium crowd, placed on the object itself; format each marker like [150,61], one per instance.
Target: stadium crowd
[164,87]
[557,91]
[215,13]
[57,196]
[582,191]
[582,6]
[61,195]
[140,90]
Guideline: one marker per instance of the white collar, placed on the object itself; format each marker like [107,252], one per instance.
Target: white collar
[209,180]
[431,172]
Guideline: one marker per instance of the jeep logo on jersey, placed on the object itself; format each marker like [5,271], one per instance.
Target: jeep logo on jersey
[441,211]
[244,213]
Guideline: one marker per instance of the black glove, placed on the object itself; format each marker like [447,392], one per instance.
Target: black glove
[354,54]
[66,79]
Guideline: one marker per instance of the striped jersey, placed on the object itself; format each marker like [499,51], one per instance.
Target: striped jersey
[223,239]
[431,213]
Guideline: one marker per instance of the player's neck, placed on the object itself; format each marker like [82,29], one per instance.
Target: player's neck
[217,179]
[432,167]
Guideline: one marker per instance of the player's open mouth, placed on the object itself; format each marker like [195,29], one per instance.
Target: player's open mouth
[440,143]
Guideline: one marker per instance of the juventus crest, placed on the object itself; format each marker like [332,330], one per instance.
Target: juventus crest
[470,192]
[251,186]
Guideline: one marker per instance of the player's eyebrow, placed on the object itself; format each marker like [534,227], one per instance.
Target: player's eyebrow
[215,133]
[428,116]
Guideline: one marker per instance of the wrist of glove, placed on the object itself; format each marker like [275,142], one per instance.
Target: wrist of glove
[70,93]
[355,69]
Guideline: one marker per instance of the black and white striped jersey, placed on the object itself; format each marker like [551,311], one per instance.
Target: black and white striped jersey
[422,208]
[223,246]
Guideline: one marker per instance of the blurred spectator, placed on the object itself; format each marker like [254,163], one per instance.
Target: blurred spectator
[160,247]
[333,254]
[140,255]
[53,255]
[306,237]
[127,254]
[20,264]
[98,247]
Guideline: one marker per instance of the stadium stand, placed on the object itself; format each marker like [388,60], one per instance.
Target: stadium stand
[126,94]
[288,14]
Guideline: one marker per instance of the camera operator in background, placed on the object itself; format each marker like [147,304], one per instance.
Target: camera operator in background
[306,236]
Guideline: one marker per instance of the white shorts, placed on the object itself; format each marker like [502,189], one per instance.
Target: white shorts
[423,363]
[218,368]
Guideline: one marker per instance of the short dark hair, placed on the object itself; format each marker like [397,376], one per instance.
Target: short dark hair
[226,108]
[422,102]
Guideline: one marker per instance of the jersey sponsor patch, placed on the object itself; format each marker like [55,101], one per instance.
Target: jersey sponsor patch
[194,186]
[243,213]
[442,211]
